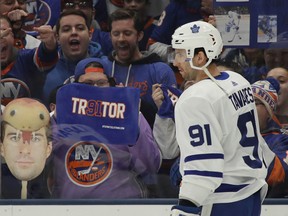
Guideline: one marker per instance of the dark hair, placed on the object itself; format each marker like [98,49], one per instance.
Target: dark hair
[53,93]
[94,64]
[124,14]
[72,12]
[112,81]
[201,49]
[146,1]
[64,1]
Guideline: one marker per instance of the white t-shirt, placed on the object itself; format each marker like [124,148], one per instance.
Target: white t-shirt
[31,42]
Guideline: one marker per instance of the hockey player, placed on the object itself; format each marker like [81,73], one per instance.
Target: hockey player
[265,25]
[217,129]
[233,25]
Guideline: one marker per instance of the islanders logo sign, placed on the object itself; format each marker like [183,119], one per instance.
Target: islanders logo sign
[12,88]
[88,163]
[41,12]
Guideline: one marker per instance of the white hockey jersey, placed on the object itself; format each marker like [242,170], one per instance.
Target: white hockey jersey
[220,141]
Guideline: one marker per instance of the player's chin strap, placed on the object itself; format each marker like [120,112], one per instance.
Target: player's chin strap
[204,68]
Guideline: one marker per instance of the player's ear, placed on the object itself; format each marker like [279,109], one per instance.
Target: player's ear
[201,57]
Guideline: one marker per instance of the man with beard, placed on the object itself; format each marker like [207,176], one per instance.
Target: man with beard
[131,67]
[21,70]
[149,22]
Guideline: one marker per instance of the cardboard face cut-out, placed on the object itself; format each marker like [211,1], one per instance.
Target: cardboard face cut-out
[24,143]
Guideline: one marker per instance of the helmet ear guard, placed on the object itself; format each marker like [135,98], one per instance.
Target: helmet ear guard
[198,34]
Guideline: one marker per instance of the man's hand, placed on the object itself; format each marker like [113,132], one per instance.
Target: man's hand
[47,36]
[16,15]
[157,95]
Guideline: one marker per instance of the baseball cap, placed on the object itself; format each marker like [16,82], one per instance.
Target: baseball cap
[267,92]
[81,67]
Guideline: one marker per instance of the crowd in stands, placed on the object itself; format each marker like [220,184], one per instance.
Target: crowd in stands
[88,47]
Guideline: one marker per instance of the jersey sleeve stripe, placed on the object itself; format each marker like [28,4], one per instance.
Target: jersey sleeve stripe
[203,157]
[204,173]
[230,188]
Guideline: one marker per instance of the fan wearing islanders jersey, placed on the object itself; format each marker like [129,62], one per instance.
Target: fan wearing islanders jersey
[91,169]
[131,67]
[266,98]
[22,70]
[176,13]
[217,129]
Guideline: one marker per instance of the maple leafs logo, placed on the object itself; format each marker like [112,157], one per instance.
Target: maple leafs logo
[195,28]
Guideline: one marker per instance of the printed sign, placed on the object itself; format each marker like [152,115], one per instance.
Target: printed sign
[112,112]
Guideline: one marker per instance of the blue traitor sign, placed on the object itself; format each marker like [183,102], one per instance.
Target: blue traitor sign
[112,112]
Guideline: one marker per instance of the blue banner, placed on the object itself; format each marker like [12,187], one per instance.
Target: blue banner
[112,112]
[41,12]
[252,23]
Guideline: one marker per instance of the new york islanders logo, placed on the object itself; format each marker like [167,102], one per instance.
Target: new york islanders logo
[88,163]
[12,88]
[39,13]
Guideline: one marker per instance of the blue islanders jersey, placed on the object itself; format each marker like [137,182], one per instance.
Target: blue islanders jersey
[175,14]
[220,141]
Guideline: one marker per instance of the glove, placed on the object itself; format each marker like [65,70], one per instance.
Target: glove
[179,210]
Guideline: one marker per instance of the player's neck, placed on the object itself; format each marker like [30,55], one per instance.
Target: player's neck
[213,70]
